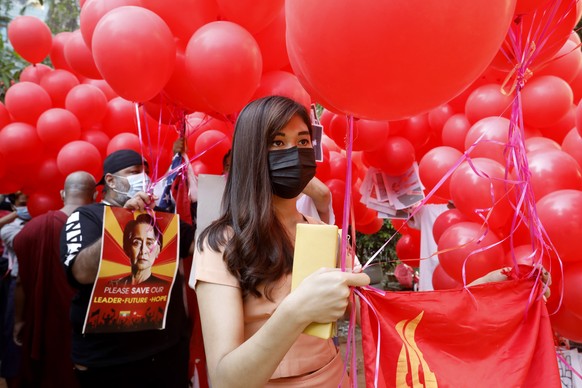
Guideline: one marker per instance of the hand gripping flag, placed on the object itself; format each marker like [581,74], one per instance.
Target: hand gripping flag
[492,335]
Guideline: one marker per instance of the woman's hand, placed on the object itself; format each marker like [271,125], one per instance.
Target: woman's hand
[323,296]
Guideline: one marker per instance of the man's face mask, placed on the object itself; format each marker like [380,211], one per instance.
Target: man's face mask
[137,182]
[22,213]
[291,170]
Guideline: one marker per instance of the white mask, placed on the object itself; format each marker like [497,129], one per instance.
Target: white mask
[137,182]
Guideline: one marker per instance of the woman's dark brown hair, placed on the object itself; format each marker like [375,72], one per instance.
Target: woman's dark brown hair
[260,251]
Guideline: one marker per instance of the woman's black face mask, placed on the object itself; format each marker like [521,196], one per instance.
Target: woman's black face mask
[291,170]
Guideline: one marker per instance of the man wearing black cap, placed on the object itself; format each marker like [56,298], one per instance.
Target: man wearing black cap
[144,358]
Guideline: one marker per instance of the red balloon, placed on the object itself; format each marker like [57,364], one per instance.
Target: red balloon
[467,245]
[4,116]
[271,41]
[124,141]
[572,289]
[200,168]
[553,170]
[388,78]
[79,56]
[215,144]
[57,127]
[103,86]
[541,30]
[538,143]
[338,164]
[434,166]
[98,139]
[483,189]
[57,54]
[30,37]
[565,64]
[437,118]
[41,202]
[178,88]
[282,83]
[572,145]
[20,144]
[401,156]
[417,131]
[487,100]
[524,255]
[368,135]
[58,84]
[68,159]
[338,193]
[455,131]
[408,249]
[226,88]
[576,85]
[94,10]
[372,227]
[26,101]
[88,103]
[184,17]
[34,73]
[442,281]
[525,6]
[48,176]
[135,52]
[253,15]
[493,132]
[567,324]
[578,117]
[559,130]
[445,220]
[546,100]
[119,117]
[560,213]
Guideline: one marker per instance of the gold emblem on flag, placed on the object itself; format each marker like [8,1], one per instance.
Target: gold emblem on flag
[411,360]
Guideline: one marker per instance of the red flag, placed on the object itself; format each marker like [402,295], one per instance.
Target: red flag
[491,335]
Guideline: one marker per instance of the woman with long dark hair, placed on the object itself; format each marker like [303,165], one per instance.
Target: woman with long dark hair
[251,321]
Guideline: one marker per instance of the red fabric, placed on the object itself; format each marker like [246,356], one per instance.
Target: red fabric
[47,333]
[180,194]
[482,337]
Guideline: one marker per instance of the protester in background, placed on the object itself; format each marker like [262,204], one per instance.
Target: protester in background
[42,324]
[152,358]
[251,321]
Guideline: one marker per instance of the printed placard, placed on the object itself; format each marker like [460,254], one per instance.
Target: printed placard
[138,266]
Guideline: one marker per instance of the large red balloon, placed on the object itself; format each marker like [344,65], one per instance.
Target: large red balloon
[88,103]
[272,43]
[4,116]
[79,56]
[57,127]
[437,118]
[445,220]
[210,55]
[572,289]
[98,139]
[566,63]
[20,144]
[368,135]
[41,202]
[545,100]
[124,141]
[561,215]
[537,143]
[417,131]
[119,117]
[30,37]
[68,159]
[433,167]
[466,245]
[552,170]
[26,101]
[212,145]
[184,17]
[253,15]
[135,52]
[482,191]
[58,84]
[94,10]
[411,61]
[408,249]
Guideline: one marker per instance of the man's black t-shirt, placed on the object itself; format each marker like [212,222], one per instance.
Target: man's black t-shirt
[83,228]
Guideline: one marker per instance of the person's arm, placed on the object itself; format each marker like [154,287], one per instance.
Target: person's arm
[86,265]
[321,196]
[321,297]
[8,218]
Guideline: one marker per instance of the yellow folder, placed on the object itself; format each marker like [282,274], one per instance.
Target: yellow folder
[316,246]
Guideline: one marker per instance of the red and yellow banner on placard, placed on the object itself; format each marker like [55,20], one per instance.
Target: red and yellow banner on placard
[117,304]
[488,336]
